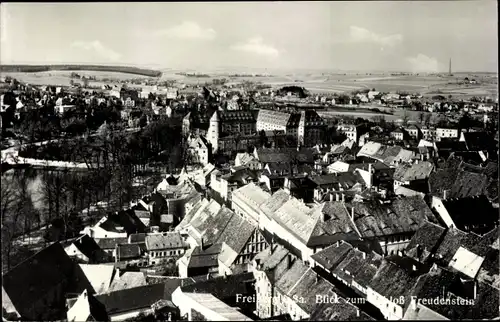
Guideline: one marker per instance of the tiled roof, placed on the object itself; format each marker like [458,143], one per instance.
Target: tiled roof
[110,243]
[204,258]
[252,194]
[391,281]
[236,116]
[425,241]
[274,117]
[416,171]
[333,255]
[165,240]
[307,288]
[344,180]
[402,215]
[332,224]
[358,266]
[340,310]
[277,200]
[439,281]
[195,206]
[297,218]
[452,241]
[289,279]
[235,235]
[125,280]
[128,251]
[214,227]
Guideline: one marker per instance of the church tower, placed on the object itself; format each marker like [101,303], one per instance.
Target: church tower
[213,132]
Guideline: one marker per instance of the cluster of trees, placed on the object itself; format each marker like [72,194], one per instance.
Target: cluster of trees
[295,90]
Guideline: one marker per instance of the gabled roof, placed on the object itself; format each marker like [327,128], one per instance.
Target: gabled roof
[425,241]
[392,281]
[452,241]
[275,117]
[128,251]
[166,240]
[199,257]
[224,287]
[439,280]
[252,194]
[131,299]
[126,280]
[297,218]
[402,215]
[32,279]
[479,141]
[110,243]
[460,210]
[333,255]
[278,199]
[340,310]
[358,266]
[88,247]
[415,171]
[99,276]
[234,237]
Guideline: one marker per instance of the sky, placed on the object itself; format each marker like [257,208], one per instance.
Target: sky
[407,36]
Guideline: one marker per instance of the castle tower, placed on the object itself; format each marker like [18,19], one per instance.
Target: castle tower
[213,132]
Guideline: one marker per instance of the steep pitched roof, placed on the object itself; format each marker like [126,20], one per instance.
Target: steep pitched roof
[333,255]
[278,199]
[415,171]
[99,276]
[234,237]
[88,247]
[400,216]
[164,240]
[37,275]
[340,310]
[199,257]
[460,209]
[425,241]
[392,281]
[132,298]
[438,281]
[252,194]
[128,251]
[297,218]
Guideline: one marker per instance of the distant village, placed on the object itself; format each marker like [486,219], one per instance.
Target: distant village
[276,213]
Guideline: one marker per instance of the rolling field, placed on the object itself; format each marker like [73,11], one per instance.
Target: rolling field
[316,83]
[62,78]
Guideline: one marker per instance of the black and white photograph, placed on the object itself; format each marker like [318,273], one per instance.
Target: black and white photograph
[249,161]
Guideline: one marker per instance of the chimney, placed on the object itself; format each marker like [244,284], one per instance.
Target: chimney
[364,255]
[337,197]
[338,243]
[445,192]
[343,198]
[475,289]
[352,213]
[414,268]
[317,278]
[290,262]
[331,197]
[357,312]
